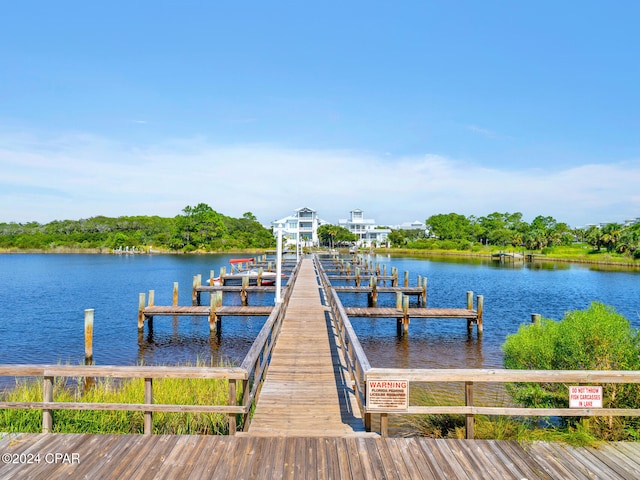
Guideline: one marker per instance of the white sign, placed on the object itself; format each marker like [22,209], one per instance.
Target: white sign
[387,395]
[585,397]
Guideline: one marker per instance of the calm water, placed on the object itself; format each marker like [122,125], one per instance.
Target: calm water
[43,297]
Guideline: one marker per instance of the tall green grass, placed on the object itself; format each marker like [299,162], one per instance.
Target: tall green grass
[105,390]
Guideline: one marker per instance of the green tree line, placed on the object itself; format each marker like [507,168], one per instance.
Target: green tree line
[454,231]
[198,227]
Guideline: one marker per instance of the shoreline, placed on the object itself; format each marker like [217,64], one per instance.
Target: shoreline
[628,264]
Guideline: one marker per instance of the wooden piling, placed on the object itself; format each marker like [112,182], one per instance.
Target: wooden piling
[373,295]
[88,336]
[424,292]
[469,307]
[175,294]
[243,292]
[197,281]
[141,300]
[214,320]
[479,310]
[405,315]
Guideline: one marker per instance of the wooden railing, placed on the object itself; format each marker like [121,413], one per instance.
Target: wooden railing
[362,372]
[470,377]
[250,374]
[356,359]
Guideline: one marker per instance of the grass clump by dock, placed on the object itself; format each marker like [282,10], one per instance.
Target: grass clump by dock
[131,391]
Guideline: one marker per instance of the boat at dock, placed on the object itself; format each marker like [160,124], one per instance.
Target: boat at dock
[266,278]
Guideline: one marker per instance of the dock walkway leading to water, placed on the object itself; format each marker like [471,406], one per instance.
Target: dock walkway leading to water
[306,391]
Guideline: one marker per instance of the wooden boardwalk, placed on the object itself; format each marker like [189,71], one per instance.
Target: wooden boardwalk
[305,392]
[305,425]
[146,457]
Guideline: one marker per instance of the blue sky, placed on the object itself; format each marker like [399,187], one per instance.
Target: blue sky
[404,109]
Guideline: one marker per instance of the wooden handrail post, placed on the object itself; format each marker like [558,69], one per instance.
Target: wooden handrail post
[470,419]
[148,399]
[384,424]
[232,402]
[47,396]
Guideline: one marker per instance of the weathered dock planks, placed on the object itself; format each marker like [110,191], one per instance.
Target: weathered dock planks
[186,310]
[305,391]
[143,457]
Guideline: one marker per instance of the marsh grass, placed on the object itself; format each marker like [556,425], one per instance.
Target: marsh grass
[105,390]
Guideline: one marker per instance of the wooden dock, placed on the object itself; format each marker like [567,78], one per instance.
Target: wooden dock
[305,392]
[306,424]
[404,316]
[154,457]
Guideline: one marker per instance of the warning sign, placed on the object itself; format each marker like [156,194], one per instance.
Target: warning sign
[387,394]
[585,397]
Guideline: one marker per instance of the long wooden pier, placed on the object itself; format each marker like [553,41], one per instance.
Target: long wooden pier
[306,392]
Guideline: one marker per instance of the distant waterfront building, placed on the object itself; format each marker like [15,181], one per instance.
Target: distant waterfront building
[365,229]
[303,225]
[415,225]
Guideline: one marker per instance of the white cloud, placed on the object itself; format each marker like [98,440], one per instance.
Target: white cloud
[78,176]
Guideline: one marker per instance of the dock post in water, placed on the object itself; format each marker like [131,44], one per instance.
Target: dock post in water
[214,320]
[469,307]
[195,295]
[88,336]
[243,292]
[373,296]
[424,292]
[141,300]
[479,309]
[175,294]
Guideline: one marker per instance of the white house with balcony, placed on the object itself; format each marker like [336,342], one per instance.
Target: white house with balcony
[365,229]
[302,226]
